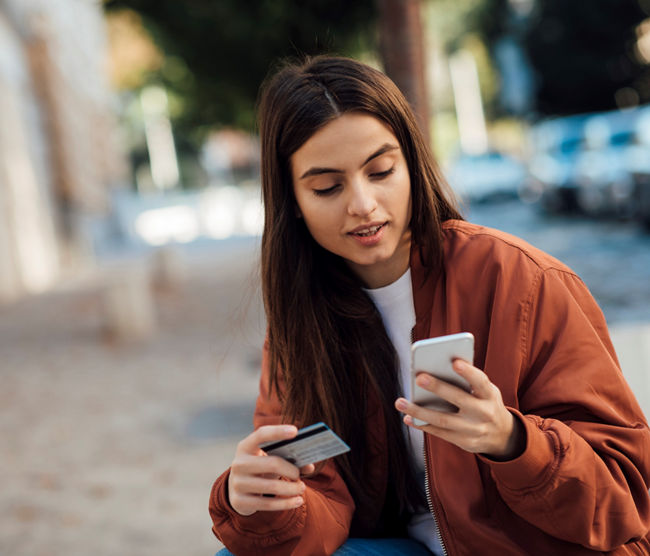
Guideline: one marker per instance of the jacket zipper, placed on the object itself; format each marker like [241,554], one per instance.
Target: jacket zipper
[427,491]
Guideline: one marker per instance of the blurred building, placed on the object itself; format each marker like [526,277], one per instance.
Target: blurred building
[58,144]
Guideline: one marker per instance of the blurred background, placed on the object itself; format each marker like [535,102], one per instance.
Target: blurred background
[130,216]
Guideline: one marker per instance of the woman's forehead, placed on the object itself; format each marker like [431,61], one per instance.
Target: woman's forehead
[351,137]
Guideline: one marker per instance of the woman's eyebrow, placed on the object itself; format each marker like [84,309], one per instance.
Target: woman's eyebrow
[318,171]
[386,147]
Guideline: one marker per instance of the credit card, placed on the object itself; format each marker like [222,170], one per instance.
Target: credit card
[312,444]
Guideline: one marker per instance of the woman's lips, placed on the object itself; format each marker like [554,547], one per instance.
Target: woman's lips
[369,235]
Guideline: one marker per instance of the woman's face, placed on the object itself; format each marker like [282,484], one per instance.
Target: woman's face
[352,186]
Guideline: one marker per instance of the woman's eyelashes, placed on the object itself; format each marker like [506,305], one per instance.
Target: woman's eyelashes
[327,191]
[373,176]
[384,174]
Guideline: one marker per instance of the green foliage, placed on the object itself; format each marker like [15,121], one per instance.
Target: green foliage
[581,52]
[453,20]
[217,52]
[584,55]
[463,25]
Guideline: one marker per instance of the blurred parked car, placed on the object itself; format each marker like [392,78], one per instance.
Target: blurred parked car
[604,168]
[642,199]
[556,145]
[597,164]
[487,176]
[638,164]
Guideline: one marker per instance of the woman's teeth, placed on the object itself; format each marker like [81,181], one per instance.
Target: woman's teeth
[369,231]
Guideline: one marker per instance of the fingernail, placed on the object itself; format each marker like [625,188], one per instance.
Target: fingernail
[289,429]
[424,379]
[402,404]
[299,502]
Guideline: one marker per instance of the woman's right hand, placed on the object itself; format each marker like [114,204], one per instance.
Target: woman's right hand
[259,482]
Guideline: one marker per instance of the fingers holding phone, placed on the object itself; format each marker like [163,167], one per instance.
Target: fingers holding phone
[260,482]
[456,401]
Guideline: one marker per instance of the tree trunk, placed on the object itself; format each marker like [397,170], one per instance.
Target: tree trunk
[403,55]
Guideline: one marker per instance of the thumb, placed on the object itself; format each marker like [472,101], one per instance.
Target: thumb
[308,469]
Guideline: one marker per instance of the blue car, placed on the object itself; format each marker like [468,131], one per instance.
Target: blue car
[556,145]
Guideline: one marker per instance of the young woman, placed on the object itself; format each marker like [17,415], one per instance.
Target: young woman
[363,253]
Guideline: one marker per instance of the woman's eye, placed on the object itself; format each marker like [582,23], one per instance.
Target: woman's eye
[384,174]
[327,191]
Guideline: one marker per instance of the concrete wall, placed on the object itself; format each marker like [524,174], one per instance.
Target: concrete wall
[58,144]
[29,256]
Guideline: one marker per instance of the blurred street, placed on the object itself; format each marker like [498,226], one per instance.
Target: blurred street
[111,448]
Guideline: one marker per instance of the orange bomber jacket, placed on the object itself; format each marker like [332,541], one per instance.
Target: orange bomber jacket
[581,484]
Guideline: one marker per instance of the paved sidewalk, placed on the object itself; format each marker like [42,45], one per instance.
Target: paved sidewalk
[111,449]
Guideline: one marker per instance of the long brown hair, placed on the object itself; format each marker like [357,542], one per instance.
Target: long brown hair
[327,345]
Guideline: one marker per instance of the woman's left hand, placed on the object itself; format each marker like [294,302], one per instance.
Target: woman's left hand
[482,423]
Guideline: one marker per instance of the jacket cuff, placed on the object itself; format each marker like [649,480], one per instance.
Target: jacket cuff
[261,525]
[534,465]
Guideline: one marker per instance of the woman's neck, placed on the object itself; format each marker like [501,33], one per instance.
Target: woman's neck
[383,273]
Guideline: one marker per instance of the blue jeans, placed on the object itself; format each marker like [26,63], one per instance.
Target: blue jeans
[374,547]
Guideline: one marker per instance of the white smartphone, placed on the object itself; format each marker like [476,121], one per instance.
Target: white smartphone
[435,356]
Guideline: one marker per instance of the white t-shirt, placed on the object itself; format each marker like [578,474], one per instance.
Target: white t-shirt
[395,304]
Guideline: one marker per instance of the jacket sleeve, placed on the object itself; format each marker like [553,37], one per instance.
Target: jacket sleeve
[584,474]
[318,527]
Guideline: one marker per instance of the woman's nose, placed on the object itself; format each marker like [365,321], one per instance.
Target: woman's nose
[362,200]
